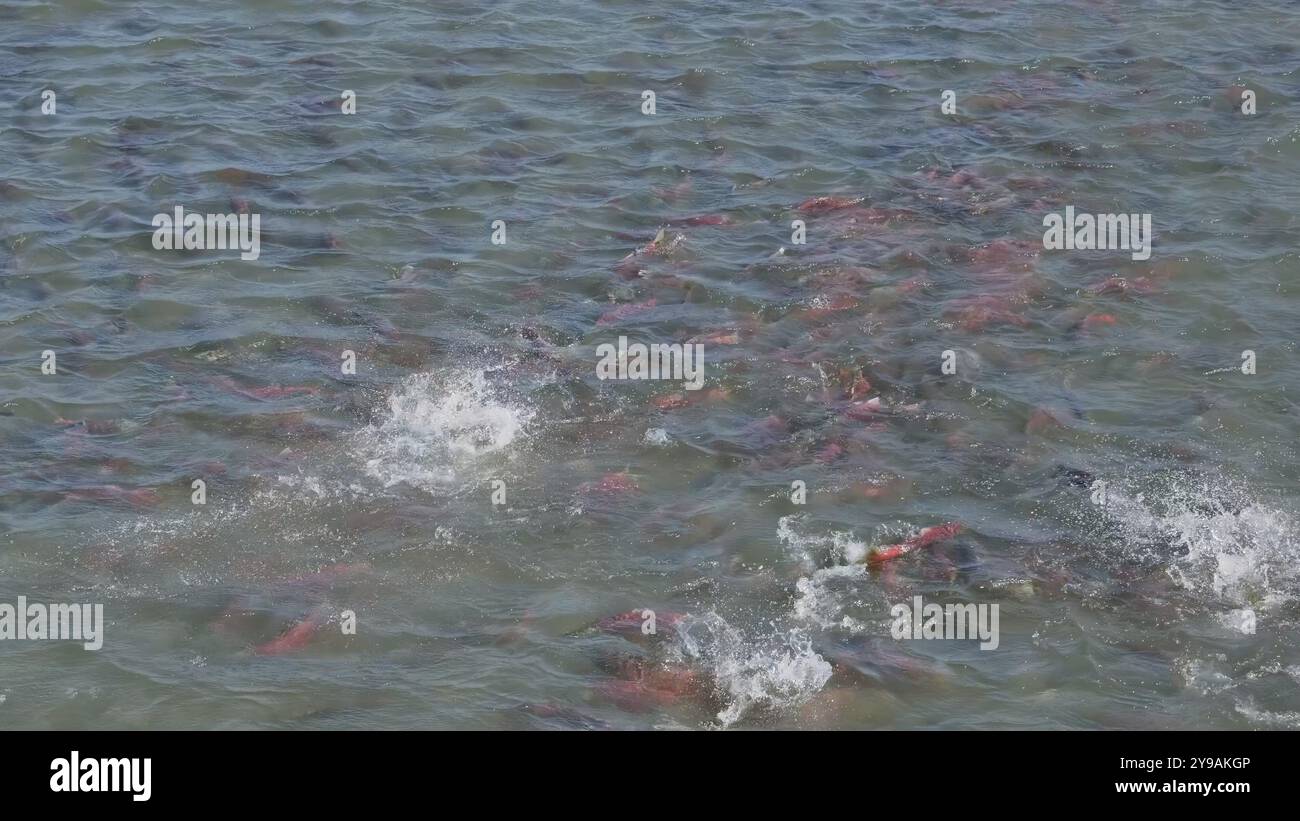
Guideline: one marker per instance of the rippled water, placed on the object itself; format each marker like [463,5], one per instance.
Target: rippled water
[1173,604]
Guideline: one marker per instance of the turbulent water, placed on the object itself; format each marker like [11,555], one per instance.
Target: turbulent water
[486,506]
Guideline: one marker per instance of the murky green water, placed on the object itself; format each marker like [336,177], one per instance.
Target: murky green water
[1171,601]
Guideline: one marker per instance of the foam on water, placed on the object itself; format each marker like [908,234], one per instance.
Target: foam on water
[776,671]
[843,547]
[815,601]
[1235,556]
[1288,719]
[1239,552]
[439,426]
[656,436]
[778,667]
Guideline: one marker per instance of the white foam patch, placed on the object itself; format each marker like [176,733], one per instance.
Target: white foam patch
[815,602]
[1284,719]
[779,668]
[656,436]
[1239,552]
[1243,621]
[439,427]
[843,547]
[776,671]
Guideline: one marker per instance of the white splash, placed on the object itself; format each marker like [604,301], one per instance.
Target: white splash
[1239,552]
[777,671]
[438,427]
[815,602]
[842,547]
[1250,710]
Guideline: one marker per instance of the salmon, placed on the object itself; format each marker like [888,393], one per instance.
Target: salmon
[1040,421]
[674,193]
[1122,285]
[822,307]
[329,575]
[622,312]
[977,313]
[1094,321]
[830,453]
[630,623]
[717,338]
[635,696]
[823,205]
[566,716]
[864,410]
[611,483]
[293,639]
[267,392]
[672,401]
[642,687]
[95,427]
[140,497]
[629,267]
[928,536]
[676,401]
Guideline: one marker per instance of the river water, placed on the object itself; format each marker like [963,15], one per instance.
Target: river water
[1117,436]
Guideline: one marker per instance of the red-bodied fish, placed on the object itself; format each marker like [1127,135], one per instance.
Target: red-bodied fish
[978,312]
[1094,321]
[95,427]
[672,401]
[140,497]
[293,639]
[865,410]
[266,392]
[611,483]
[830,453]
[629,267]
[622,312]
[925,538]
[633,622]
[1122,285]
[717,338]
[1041,420]
[635,696]
[825,307]
[824,205]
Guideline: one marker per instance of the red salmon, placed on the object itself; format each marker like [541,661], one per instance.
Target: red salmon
[925,538]
[293,639]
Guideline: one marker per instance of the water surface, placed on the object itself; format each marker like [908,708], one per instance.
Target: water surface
[372,491]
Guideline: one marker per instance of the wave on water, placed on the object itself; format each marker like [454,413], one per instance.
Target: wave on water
[1229,548]
[439,427]
[779,667]
[816,599]
[808,548]
[775,672]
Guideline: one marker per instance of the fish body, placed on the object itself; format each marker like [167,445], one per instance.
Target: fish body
[928,536]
